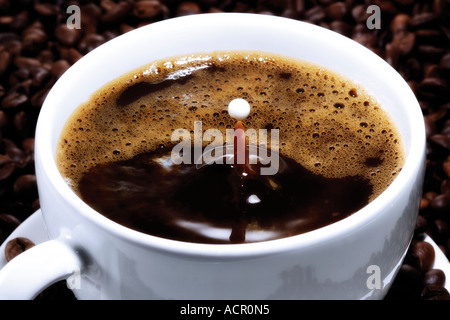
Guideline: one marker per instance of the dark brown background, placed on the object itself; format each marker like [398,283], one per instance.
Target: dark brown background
[36,47]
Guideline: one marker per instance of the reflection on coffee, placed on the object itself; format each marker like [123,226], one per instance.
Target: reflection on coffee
[337,149]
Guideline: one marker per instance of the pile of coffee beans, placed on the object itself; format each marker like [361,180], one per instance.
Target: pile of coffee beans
[37,47]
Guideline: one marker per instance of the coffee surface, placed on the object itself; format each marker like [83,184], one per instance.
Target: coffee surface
[338,148]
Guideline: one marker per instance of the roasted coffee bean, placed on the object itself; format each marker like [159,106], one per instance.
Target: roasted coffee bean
[429,36]
[421,20]
[26,62]
[441,140]
[59,67]
[430,126]
[116,12]
[66,36]
[25,186]
[20,20]
[5,60]
[432,89]
[411,278]
[336,10]
[34,37]
[7,167]
[421,256]
[315,14]
[40,76]
[441,230]
[435,292]
[22,124]
[359,13]
[3,117]
[432,53]
[341,27]
[90,42]
[17,246]
[147,9]
[14,100]
[445,186]
[444,63]
[441,202]
[421,222]
[188,8]
[38,98]
[8,223]
[46,9]
[405,42]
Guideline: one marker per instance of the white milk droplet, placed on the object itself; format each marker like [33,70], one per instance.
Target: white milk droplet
[239,109]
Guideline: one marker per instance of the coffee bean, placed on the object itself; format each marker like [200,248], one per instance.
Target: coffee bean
[435,292]
[431,52]
[315,14]
[444,63]
[34,37]
[5,60]
[411,278]
[116,12]
[445,186]
[432,89]
[336,10]
[429,37]
[359,13]
[90,42]
[14,100]
[421,222]
[446,166]
[405,42]
[400,23]
[341,27]
[147,9]
[422,20]
[38,98]
[22,124]
[3,118]
[392,54]
[25,186]
[188,8]
[430,127]
[441,202]
[422,256]
[8,223]
[17,246]
[7,167]
[441,230]
[441,140]
[46,9]
[40,76]
[66,36]
[59,67]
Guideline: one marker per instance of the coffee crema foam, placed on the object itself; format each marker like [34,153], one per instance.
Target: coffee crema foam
[327,123]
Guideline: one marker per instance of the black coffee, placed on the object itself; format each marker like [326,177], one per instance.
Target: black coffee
[338,149]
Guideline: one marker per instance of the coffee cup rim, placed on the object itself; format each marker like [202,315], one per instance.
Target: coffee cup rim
[45,153]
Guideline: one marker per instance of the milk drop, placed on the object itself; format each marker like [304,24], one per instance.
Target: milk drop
[239,109]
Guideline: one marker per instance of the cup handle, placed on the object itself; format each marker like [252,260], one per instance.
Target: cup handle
[26,275]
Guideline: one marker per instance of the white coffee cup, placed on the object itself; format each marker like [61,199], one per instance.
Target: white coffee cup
[355,258]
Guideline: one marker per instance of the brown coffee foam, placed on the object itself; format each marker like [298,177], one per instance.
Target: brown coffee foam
[327,123]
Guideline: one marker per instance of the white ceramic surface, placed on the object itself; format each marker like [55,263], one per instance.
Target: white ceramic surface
[114,262]
[34,229]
